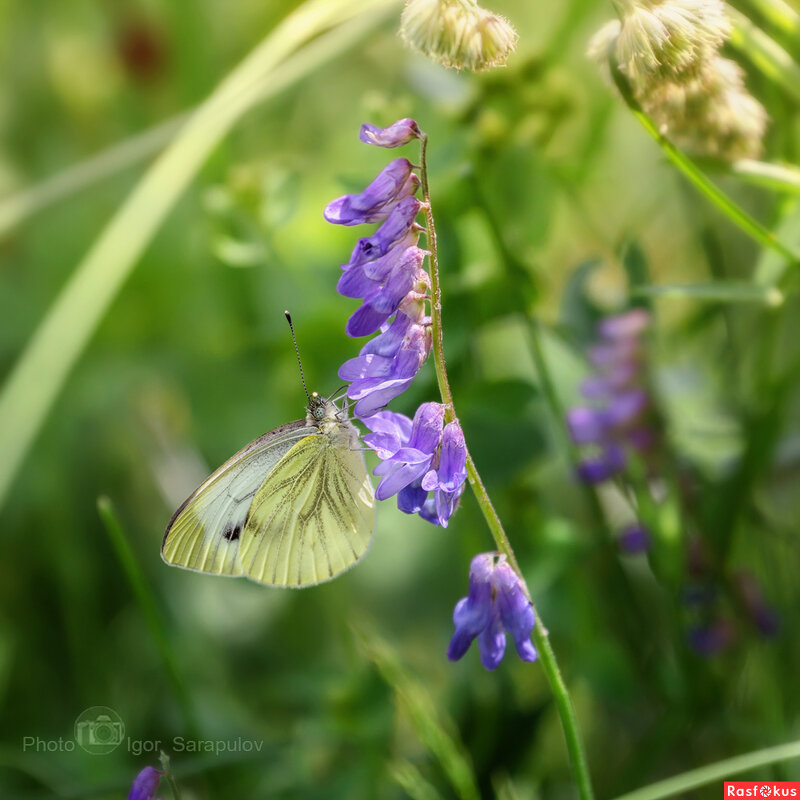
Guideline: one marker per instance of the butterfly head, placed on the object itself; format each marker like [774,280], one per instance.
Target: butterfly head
[321,410]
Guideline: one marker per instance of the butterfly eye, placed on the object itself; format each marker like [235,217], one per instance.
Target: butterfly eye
[318,412]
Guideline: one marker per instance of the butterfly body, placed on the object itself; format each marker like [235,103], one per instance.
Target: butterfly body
[293,508]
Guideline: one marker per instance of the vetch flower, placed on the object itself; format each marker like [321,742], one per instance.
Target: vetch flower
[635,539]
[397,134]
[423,461]
[145,784]
[393,183]
[617,417]
[496,604]
[386,271]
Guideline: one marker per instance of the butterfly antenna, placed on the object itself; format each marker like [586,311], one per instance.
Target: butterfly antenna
[297,353]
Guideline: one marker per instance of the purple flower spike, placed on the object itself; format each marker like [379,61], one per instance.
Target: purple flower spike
[394,182]
[145,784]
[400,133]
[496,604]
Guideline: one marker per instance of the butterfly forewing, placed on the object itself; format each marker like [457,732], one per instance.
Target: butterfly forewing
[205,532]
[313,516]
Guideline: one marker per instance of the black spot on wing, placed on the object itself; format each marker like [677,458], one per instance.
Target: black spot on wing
[232,534]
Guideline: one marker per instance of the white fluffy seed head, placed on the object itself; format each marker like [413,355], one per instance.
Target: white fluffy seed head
[457,33]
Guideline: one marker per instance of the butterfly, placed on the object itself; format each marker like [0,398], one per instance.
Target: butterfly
[293,508]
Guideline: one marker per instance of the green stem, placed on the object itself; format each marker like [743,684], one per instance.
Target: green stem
[170,778]
[148,607]
[540,636]
[735,213]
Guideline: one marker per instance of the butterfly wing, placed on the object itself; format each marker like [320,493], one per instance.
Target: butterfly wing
[314,515]
[205,532]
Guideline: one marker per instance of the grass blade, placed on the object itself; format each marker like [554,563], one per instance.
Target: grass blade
[718,771]
[717,292]
[41,371]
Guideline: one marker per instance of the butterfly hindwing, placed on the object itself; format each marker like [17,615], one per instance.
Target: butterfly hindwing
[314,515]
[205,532]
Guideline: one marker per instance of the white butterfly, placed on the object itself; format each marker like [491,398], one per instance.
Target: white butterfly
[293,508]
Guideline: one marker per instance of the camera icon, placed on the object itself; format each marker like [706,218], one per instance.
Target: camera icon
[99,730]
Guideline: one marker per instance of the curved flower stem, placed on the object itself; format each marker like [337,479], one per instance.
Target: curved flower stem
[540,636]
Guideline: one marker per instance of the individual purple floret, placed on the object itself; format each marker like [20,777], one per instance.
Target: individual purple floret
[395,182]
[495,605]
[419,457]
[145,784]
[397,134]
[635,539]
[616,419]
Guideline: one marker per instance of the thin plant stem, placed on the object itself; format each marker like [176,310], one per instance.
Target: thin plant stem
[148,607]
[540,636]
[167,768]
[734,212]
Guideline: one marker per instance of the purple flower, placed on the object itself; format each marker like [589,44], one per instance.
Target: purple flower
[635,539]
[711,639]
[399,133]
[385,271]
[618,416]
[447,482]
[762,615]
[412,460]
[398,229]
[418,458]
[395,182]
[496,604]
[145,784]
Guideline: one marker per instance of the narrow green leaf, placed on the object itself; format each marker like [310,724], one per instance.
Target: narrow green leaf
[734,212]
[780,177]
[719,771]
[764,53]
[717,292]
[434,729]
[41,371]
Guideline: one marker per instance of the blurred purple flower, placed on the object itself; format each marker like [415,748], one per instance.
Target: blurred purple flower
[145,784]
[397,134]
[495,604]
[618,417]
[712,638]
[762,615]
[635,539]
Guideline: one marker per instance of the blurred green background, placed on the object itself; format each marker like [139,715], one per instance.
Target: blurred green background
[551,201]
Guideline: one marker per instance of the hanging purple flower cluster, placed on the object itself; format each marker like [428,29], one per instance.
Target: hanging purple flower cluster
[616,418]
[496,604]
[386,272]
[419,456]
[424,459]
